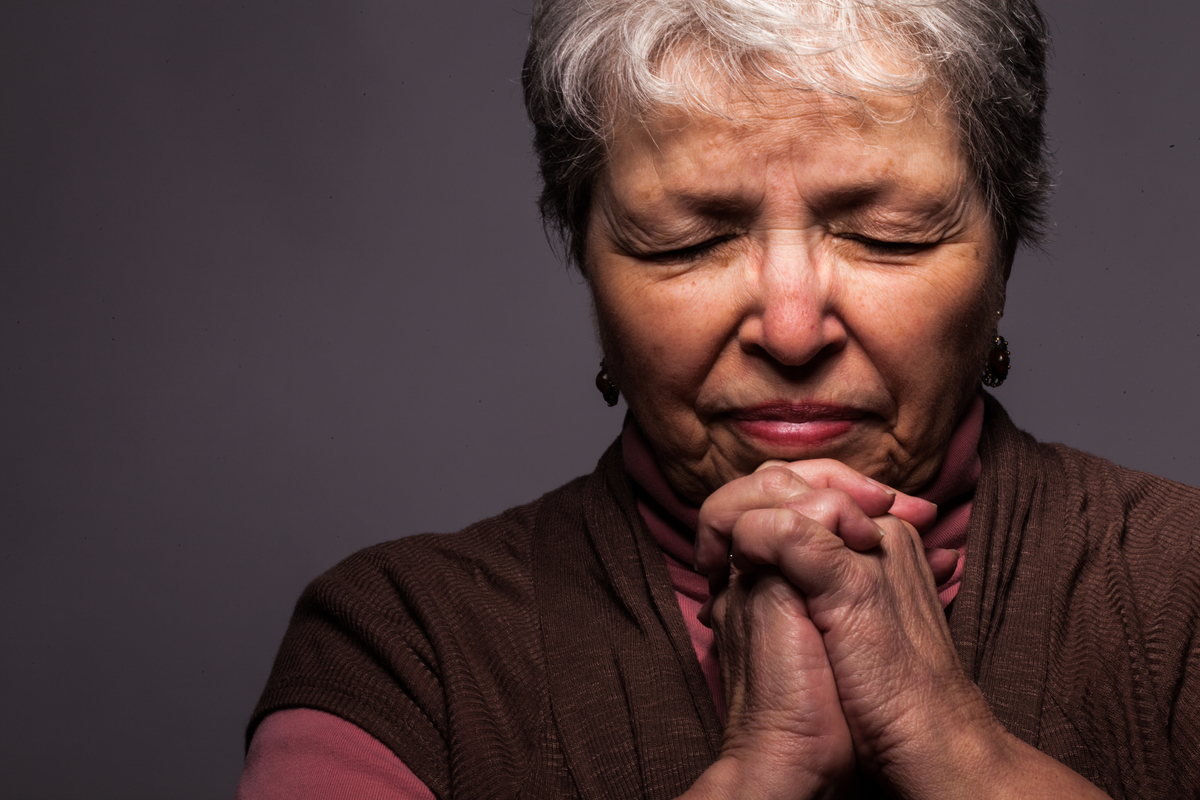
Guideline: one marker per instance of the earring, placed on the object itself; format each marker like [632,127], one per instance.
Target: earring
[606,386]
[998,363]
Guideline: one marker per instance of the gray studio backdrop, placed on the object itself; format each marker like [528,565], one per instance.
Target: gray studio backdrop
[272,288]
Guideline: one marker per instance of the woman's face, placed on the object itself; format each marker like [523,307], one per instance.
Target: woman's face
[793,280]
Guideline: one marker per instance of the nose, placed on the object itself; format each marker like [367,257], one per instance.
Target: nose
[791,315]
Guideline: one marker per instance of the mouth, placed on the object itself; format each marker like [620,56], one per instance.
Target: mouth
[793,426]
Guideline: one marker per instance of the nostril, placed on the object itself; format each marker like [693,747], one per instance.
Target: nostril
[793,340]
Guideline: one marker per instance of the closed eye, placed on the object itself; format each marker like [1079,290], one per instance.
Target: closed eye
[884,247]
[693,252]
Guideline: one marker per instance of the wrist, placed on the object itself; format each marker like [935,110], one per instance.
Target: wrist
[977,757]
[732,778]
[950,749]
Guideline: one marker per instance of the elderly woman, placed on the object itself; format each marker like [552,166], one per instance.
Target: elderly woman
[796,220]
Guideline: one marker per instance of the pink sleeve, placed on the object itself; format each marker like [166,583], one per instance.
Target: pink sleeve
[304,754]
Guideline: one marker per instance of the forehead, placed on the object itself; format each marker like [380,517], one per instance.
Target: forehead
[775,135]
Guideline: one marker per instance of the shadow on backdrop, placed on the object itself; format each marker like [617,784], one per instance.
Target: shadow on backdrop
[274,289]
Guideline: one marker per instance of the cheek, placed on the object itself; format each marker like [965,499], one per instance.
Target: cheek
[662,336]
[931,333]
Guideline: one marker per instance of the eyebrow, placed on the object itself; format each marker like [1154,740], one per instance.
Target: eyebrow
[638,232]
[846,200]
[832,201]
[945,209]
[693,214]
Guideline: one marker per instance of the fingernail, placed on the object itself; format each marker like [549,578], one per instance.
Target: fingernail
[882,532]
[891,492]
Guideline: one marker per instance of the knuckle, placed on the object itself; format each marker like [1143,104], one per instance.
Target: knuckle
[793,526]
[779,482]
[894,526]
[720,608]
[826,505]
[715,511]
[834,501]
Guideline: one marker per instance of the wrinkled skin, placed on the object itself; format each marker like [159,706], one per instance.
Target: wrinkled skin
[870,600]
[796,299]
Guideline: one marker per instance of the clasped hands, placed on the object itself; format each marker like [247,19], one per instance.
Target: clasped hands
[836,657]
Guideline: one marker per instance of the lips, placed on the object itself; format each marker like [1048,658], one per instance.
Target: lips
[795,425]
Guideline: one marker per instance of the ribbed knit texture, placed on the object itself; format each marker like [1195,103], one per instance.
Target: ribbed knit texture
[542,653]
[1079,612]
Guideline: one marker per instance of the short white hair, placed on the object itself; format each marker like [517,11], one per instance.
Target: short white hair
[593,64]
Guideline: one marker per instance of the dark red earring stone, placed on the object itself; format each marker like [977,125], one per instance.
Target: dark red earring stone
[606,386]
[998,363]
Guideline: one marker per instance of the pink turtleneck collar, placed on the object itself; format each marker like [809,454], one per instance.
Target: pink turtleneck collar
[672,521]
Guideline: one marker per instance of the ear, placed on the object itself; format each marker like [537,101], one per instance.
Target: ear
[1008,253]
[1003,271]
